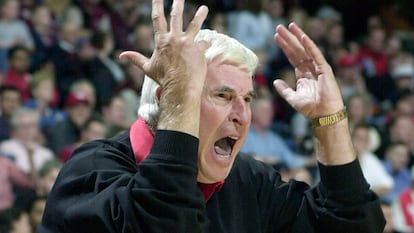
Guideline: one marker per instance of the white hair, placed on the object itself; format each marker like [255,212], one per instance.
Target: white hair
[23,112]
[229,49]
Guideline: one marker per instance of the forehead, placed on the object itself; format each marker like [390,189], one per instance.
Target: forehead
[221,74]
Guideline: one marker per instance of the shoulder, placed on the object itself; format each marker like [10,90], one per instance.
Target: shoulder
[103,155]
[10,144]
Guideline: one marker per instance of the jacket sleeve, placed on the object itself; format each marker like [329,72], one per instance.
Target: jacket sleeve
[101,189]
[341,202]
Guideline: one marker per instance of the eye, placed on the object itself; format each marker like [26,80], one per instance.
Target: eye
[248,99]
[225,96]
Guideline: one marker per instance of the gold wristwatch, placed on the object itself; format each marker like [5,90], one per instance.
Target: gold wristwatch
[329,119]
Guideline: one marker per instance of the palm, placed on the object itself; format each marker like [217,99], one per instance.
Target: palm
[317,92]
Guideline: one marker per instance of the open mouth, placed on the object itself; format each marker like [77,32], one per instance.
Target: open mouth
[224,146]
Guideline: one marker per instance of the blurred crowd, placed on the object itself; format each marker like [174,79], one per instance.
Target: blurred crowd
[62,84]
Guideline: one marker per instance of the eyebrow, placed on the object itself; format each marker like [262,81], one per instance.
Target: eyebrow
[227,89]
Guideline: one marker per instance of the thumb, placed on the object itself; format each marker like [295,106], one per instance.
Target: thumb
[283,89]
[135,58]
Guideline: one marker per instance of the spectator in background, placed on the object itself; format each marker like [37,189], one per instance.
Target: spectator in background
[403,76]
[10,101]
[100,17]
[372,168]
[106,74]
[47,176]
[132,10]
[349,75]
[113,113]
[401,129]
[14,220]
[68,67]
[359,111]
[93,129]
[10,176]
[335,40]
[43,35]
[13,31]
[42,88]
[250,25]
[17,74]
[266,145]
[24,144]
[86,87]
[275,10]
[218,22]
[397,156]
[143,37]
[374,62]
[78,110]
[65,11]
[402,214]
[317,31]
[403,105]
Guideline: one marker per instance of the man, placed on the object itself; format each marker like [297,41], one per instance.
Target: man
[265,144]
[24,146]
[10,101]
[78,109]
[192,179]
[372,168]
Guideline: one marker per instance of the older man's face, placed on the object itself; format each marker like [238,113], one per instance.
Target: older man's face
[225,119]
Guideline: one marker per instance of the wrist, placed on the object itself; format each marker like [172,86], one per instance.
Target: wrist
[180,110]
[330,119]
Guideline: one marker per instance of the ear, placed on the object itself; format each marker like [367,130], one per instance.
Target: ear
[158,94]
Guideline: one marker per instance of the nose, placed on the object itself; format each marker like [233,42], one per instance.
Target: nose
[240,112]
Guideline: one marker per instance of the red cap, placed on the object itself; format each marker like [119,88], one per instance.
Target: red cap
[347,61]
[75,98]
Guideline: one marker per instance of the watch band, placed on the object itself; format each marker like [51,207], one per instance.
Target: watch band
[329,119]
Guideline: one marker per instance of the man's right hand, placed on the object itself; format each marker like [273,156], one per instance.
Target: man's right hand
[178,64]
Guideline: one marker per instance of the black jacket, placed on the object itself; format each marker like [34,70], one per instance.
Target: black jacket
[102,189]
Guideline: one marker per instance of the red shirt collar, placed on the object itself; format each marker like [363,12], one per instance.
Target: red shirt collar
[141,140]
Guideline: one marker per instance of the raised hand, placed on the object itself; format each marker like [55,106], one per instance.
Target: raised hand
[317,92]
[177,59]
[178,64]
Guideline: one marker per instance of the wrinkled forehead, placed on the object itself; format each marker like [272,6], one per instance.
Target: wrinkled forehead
[228,74]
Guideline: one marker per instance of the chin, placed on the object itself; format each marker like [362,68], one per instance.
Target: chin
[212,177]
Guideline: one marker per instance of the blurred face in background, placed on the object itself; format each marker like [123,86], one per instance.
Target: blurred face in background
[26,129]
[376,40]
[398,156]
[357,109]
[44,91]
[262,113]
[9,102]
[79,113]
[42,18]
[10,10]
[19,62]
[95,130]
[360,139]
[115,112]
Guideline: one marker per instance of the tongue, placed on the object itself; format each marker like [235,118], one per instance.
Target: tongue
[222,147]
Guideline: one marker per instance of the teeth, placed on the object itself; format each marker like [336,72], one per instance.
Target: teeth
[224,156]
[234,137]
